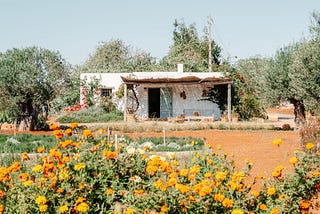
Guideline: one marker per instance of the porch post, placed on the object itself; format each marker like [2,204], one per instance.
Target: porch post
[125,102]
[229,102]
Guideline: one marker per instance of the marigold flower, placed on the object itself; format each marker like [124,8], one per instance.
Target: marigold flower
[68,132]
[263,207]
[87,133]
[109,154]
[191,198]
[59,190]
[58,133]
[158,184]
[54,126]
[63,208]
[219,197]
[1,209]
[28,183]
[237,211]
[41,150]
[183,172]
[304,205]
[293,160]
[82,207]
[80,199]
[24,176]
[182,188]
[138,192]
[227,203]
[309,146]
[109,191]
[206,190]
[130,210]
[73,125]
[37,168]
[255,193]
[2,193]
[274,211]
[43,208]
[194,170]
[221,175]
[79,166]
[41,199]
[164,209]
[277,142]
[25,156]
[271,191]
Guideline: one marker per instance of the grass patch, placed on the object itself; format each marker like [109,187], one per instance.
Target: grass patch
[169,144]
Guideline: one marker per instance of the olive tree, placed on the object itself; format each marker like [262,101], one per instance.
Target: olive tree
[30,77]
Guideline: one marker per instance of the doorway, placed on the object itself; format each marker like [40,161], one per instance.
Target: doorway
[160,102]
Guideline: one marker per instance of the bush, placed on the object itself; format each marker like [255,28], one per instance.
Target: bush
[92,115]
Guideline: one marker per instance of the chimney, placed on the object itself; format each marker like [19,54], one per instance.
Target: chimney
[180,68]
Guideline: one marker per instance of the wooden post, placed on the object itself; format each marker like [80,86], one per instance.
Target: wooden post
[209,44]
[164,137]
[229,102]
[125,102]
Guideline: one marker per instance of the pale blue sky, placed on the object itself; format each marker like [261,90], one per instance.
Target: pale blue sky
[243,28]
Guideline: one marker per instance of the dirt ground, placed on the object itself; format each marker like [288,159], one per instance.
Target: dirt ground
[253,145]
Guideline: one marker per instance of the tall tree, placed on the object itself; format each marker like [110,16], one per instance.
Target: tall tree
[116,56]
[191,50]
[30,77]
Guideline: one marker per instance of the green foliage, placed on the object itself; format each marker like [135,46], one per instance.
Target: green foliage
[190,50]
[91,115]
[28,78]
[115,56]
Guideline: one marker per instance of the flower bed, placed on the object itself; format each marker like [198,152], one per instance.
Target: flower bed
[86,173]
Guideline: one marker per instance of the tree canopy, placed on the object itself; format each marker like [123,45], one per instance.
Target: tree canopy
[29,77]
[191,50]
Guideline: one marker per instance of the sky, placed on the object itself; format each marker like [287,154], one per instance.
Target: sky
[75,28]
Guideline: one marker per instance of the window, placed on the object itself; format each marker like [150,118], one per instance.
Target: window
[105,92]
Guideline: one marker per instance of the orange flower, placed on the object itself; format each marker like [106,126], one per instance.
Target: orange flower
[277,142]
[109,154]
[271,191]
[304,205]
[25,156]
[68,132]
[58,133]
[263,207]
[73,125]
[309,146]
[54,126]
[87,133]
[2,193]
[293,160]
[41,150]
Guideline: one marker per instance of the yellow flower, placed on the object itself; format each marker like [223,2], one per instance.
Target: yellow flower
[274,211]
[255,193]
[28,183]
[271,191]
[73,125]
[82,207]
[227,203]
[194,170]
[221,175]
[63,208]
[293,160]
[80,199]
[277,142]
[171,182]
[237,211]
[43,208]
[41,150]
[87,133]
[219,197]
[37,168]
[25,156]
[130,210]
[309,146]
[109,191]
[263,207]
[79,166]
[41,199]
[164,209]
[183,172]
[158,184]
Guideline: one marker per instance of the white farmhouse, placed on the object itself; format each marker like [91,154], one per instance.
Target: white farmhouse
[162,94]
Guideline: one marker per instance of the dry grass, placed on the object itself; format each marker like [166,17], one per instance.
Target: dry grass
[310,131]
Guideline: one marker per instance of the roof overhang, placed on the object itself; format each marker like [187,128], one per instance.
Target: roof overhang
[180,80]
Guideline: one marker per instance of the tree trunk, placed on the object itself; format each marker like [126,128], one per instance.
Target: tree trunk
[299,112]
[29,116]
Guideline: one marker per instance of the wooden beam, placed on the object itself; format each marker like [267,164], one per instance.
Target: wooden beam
[125,102]
[229,102]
